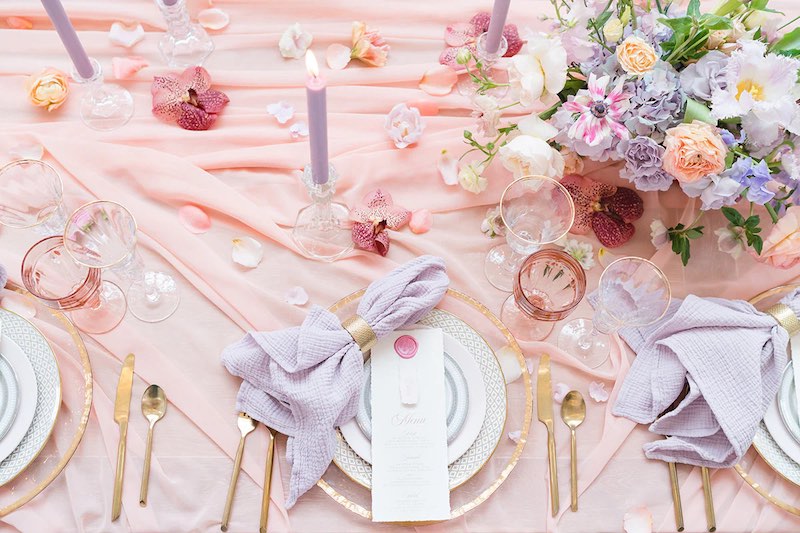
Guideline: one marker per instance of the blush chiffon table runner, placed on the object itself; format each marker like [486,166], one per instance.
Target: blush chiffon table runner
[245,174]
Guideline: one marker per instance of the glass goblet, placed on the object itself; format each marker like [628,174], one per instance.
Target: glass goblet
[55,278]
[549,285]
[31,197]
[102,234]
[536,210]
[633,292]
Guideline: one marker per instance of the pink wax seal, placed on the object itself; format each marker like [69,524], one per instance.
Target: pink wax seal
[406,346]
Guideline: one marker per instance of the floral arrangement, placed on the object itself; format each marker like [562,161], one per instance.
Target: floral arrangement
[707,102]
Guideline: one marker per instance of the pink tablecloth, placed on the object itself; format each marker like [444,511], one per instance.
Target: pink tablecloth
[244,173]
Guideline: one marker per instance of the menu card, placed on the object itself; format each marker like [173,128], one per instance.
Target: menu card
[409,430]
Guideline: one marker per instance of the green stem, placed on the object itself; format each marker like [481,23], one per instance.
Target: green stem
[773,215]
[791,21]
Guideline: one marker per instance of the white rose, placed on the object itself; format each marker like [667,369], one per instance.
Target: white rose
[525,155]
[539,72]
[613,29]
[659,235]
[470,177]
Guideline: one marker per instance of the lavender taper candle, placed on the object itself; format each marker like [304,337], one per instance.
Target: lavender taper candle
[170,2]
[498,20]
[70,39]
[317,120]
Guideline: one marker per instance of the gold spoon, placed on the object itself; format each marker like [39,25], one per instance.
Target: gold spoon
[154,405]
[573,412]
[246,426]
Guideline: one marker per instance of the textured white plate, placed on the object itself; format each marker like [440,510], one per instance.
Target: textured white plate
[10,393]
[26,379]
[48,393]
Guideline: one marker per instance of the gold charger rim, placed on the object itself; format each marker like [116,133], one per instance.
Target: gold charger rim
[484,495]
[87,406]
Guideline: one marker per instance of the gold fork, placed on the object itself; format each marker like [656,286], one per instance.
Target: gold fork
[246,426]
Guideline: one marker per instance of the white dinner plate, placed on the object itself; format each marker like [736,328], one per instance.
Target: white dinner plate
[26,378]
[787,403]
[9,390]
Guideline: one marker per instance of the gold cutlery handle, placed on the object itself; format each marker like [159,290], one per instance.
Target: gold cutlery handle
[146,471]
[551,455]
[237,465]
[573,469]
[262,526]
[711,519]
[676,496]
[116,505]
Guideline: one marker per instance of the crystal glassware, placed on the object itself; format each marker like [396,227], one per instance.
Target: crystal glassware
[484,67]
[633,292]
[102,234]
[185,44]
[536,210]
[31,196]
[548,286]
[322,228]
[104,106]
[55,278]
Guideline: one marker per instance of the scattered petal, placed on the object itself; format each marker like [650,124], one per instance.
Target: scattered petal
[605,258]
[124,35]
[509,364]
[421,221]
[448,168]
[126,67]
[19,23]
[247,251]
[427,108]
[298,129]
[282,111]
[515,436]
[638,520]
[438,80]
[294,42]
[296,296]
[213,19]
[19,304]
[598,392]
[559,391]
[194,219]
[27,151]
[337,56]
[530,365]
[459,34]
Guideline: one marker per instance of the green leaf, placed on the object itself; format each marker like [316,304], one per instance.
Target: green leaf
[603,18]
[685,255]
[677,243]
[758,244]
[697,111]
[788,43]
[694,233]
[727,7]
[680,24]
[693,9]
[713,22]
[733,216]
[752,222]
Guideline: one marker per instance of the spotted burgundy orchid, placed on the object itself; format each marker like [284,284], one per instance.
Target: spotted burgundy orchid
[605,209]
[187,99]
[463,35]
[372,217]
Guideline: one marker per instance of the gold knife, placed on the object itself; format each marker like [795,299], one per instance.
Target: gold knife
[544,406]
[122,408]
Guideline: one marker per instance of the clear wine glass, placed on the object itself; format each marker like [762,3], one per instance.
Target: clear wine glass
[549,285]
[633,292]
[102,234]
[31,196]
[536,210]
[55,278]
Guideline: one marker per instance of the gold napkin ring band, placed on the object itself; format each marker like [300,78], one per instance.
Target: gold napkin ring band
[785,317]
[361,332]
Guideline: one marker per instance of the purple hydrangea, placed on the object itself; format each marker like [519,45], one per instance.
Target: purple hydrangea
[702,79]
[657,102]
[643,158]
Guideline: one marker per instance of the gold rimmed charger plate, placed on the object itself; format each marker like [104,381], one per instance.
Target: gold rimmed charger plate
[73,413]
[519,409]
[761,444]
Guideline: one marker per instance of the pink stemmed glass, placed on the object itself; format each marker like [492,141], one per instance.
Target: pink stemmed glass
[51,275]
[633,292]
[31,197]
[549,285]
[102,234]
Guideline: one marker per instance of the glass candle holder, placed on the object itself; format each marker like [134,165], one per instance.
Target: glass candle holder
[185,44]
[31,196]
[104,106]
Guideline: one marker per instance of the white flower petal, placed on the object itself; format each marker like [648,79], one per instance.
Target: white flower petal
[296,296]
[213,19]
[337,56]
[598,392]
[509,364]
[298,129]
[515,436]
[282,111]
[448,168]
[126,36]
[638,520]
[294,42]
[559,391]
[247,251]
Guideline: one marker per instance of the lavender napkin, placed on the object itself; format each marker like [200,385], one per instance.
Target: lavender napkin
[305,381]
[731,356]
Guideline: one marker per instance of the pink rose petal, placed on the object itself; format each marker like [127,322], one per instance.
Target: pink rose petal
[638,520]
[337,56]
[438,80]
[194,219]
[296,296]
[559,391]
[126,67]
[427,108]
[213,19]
[598,392]
[459,34]
[19,304]
[19,23]
[247,252]
[421,221]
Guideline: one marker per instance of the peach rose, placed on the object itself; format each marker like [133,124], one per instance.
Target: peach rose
[636,56]
[49,88]
[782,245]
[694,151]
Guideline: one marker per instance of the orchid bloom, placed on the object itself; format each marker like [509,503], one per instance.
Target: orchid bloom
[600,114]
[187,99]
[372,217]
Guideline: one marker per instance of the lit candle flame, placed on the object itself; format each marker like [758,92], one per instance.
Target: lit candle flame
[311,64]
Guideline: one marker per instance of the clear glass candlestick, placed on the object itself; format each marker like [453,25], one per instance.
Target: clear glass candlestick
[322,230]
[185,44]
[104,106]
[485,63]
[484,56]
